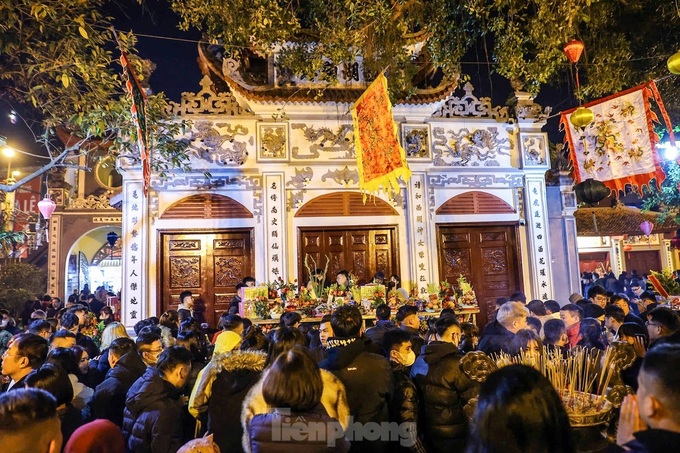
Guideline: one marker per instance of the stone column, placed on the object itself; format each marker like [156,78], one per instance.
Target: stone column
[135,297]
[535,161]
[563,243]
[419,231]
[275,226]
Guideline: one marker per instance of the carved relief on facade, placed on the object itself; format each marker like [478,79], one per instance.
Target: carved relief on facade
[466,148]
[205,102]
[381,260]
[273,142]
[534,150]
[494,261]
[335,144]
[359,265]
[302,177]
[457,261]
[227,271]
[415,139]
[470,105]
[219,143]
[101,202]
[343,177]
[219,244]
[185,272]
[201,182]
[185,245]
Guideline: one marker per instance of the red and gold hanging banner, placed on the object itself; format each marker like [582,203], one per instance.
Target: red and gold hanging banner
[619,146]
[380,158]
[138,110]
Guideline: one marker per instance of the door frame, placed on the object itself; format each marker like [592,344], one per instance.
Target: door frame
[301,229]
[159,252]
[518,247]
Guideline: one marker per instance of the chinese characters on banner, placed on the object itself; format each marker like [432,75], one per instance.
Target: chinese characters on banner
[419,220]
[538,235]
[275,216]
[132,306]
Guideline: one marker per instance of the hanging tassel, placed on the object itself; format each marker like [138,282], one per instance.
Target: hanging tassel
[594,221]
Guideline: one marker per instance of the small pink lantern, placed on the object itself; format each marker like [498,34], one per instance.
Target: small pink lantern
[647,227]
[46,207]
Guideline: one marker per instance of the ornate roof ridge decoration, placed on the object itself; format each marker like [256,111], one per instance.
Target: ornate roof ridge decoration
[206,102]
[471,105]
[227,74]
[93,202]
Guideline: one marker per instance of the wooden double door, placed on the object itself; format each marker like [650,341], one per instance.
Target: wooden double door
[209,264]
[487,256]
[643,261]
[362,251]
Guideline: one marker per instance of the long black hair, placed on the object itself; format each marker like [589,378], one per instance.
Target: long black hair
[519,411]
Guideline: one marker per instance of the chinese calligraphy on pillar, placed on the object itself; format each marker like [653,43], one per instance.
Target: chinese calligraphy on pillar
[419,220]
[133,307]
[275,216]
[538,236]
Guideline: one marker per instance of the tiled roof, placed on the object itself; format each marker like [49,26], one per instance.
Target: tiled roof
[211,66]
[618,221]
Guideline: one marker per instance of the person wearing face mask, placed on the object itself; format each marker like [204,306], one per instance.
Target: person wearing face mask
[404,403]
[445,389]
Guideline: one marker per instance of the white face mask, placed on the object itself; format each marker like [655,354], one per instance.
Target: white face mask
[4,322]
[408,360]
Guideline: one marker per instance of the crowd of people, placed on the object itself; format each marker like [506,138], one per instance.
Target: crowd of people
[333,387]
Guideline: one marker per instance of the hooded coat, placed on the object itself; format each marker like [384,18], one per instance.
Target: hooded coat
[444,391]
[495,338]
[333,400]
[108,401]
[151,420]
[368,382]
[220,391]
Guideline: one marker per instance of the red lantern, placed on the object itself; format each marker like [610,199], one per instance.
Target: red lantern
[627,248]
[573,50]
[647,227]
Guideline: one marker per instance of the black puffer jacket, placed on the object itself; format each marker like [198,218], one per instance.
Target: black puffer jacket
[495,338]
[404,408]
[367,378]
[377,332]
[444,391]
[108,400]
[152,415]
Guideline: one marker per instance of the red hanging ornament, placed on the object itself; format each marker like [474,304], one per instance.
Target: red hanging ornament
[627,248]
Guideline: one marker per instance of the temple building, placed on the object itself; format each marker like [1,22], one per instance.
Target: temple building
[274,180]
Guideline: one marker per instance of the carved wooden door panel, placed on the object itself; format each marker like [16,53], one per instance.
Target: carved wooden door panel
[643,261]
[210,265]
[362,251]
[486,255]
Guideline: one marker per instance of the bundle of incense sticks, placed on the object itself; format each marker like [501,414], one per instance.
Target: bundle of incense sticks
[581,377]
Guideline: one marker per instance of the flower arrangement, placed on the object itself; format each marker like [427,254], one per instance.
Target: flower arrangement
[317,283]
[280,288]
[92,328]
[664,282]
[466,296]
[261,307]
